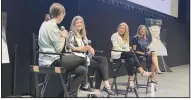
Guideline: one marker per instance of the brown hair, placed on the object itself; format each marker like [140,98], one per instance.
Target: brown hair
[55,10]
[73,28]
[47,17]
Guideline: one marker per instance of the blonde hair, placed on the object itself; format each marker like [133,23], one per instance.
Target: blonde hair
[138,30]
[126,34]
[73,27]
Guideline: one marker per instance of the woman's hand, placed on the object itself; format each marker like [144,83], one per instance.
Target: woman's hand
[86,48]
[63,33]
[91,50]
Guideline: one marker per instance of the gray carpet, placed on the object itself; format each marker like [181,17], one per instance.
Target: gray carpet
[171,84]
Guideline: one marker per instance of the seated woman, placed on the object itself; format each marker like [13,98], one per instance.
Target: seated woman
[77,42]
[120,41]
[52,40]
[140,46]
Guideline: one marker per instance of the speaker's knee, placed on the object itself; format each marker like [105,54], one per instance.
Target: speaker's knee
[154,53]
[130,60]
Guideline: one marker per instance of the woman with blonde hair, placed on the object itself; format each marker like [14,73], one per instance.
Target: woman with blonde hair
[140,46]
[120,41]
[77,42]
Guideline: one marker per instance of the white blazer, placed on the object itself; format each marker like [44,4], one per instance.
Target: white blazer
[117,43]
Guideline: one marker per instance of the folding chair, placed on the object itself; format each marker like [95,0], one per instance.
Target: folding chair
[115,70]
[46,70]
[145,60]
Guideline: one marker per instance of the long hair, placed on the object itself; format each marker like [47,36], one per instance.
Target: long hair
[73,27]
[138,31]
[126,34]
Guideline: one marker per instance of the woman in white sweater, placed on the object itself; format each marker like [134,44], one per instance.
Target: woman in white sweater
[120,41]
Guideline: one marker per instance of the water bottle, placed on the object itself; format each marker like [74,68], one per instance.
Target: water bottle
[152,89]
[124,47]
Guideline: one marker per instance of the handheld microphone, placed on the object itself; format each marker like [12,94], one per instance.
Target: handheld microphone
[86,42]
[62,28]
[89,42]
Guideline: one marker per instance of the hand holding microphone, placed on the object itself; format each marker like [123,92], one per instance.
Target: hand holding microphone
[63,32]
[91,50]
[86,48]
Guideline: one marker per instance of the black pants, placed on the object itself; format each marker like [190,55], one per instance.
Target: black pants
[148,58]
[132,61]
[100,65]
[76,65]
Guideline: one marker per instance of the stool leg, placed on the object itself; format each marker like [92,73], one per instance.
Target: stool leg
[116,85]
[127,88]
[116,79]
[36,84]
[136,93]
[64,86]
[135,88]
[147,85]
[91,82]
[89,95]
[136,81]
[155,89]
[126,92]
[45,85]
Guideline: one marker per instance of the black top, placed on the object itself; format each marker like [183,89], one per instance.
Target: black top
[141,43]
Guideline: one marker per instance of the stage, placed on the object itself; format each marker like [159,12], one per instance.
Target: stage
[171,84]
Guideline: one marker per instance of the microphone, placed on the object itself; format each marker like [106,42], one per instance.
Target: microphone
[86,42]
[62,28]
[89,42]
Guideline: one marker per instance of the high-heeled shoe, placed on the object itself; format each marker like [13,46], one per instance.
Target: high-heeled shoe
[108,90]
[159,73]
[145,74]
[95,96]
[154,81]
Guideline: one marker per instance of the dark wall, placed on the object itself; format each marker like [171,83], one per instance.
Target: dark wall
[184,14]
[24,17]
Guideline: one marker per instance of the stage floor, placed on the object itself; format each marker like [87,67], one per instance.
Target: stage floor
[171,84]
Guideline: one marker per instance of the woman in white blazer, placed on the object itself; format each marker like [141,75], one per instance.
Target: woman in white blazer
[120,41]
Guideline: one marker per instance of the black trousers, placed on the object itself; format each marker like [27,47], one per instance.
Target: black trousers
[132,61]
[100,65]
[76,65]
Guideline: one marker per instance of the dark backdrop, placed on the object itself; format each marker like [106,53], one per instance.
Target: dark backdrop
[24,17]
